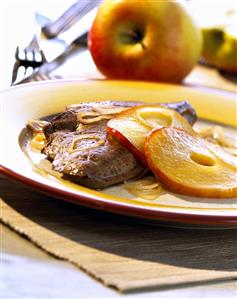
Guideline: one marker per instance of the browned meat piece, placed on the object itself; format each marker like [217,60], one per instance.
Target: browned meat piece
[185,109]
[85,154]
[68,119]
[90,158]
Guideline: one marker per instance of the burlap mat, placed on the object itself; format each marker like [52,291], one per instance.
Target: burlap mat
[120,253]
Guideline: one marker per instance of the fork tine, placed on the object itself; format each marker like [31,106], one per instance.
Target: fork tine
[29,70]
[15,66]
[30,58]
[25,71]
[43,58]
[29,54]
[36,55]
[15,71]
[34,42]
[17,52]
[20,74]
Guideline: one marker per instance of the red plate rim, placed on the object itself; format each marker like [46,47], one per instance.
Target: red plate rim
[212,221]
[142,212]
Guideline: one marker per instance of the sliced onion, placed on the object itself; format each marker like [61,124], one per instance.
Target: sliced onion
[216,134]
[91,117]
[146,188]
[38,142]
[104,110]
[98,113]
[87,137]
[36,126]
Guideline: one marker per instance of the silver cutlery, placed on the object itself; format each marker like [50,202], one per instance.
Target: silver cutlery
[27,60]
[45,69]
[72,15]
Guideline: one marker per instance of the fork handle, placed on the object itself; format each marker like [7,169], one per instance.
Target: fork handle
[72,15]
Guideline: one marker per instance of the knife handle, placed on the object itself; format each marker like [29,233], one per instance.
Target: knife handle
[72,15]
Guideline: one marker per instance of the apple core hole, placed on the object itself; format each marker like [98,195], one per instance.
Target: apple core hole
[138,34]
[218,35]
[132,35]
[155,119]
[202,159]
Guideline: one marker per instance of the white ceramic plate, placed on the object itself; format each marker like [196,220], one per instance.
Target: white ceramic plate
[37,100]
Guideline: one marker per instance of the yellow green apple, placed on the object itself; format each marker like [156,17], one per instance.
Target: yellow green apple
[144,40]
[218,22]
[220,48]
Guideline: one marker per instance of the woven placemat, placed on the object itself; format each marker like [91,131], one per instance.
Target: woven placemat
[120,253]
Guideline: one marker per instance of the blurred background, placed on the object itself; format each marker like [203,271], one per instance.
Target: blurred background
[19,23]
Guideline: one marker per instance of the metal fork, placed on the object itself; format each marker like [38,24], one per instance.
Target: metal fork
[27,60]
[79,44]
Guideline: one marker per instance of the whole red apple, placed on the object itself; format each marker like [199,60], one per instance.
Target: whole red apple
[144,40]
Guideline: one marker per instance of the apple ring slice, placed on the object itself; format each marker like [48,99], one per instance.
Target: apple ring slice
[186,164]
[131,126]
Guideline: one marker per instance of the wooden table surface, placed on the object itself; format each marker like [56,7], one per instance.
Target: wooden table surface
[28,272]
